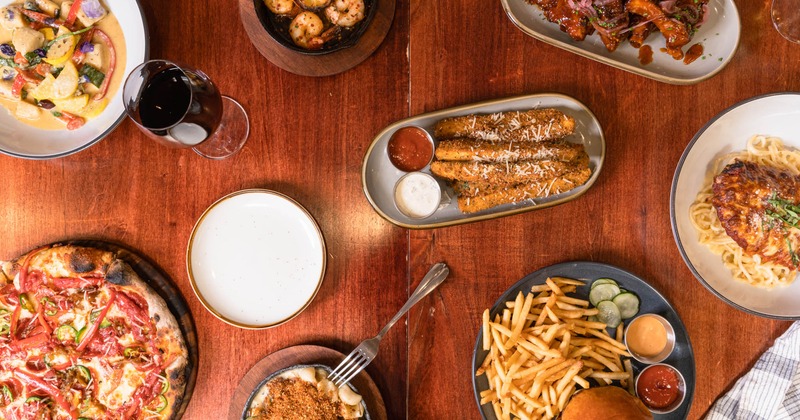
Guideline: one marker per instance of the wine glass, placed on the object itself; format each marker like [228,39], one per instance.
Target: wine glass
[179,106]
[786,18]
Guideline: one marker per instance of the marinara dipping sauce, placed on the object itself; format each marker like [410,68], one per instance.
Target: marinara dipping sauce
[660,388]
[410,149]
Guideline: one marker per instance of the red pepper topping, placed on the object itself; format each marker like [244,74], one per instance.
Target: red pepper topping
[42,18]
[112,63]
[23,270]
[37,340]
[16,87]
[52,391]
[73,13]
[74,122]
[96,326]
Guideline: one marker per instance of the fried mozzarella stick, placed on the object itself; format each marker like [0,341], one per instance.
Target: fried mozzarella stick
[508,172]
[531,125]
[488,151]
[475,188]
[539,189]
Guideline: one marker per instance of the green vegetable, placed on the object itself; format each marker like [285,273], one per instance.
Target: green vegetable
[609,313]
[33,58]
[133,352]
[93,317]
[5,322]
[95,76]
[33,399]
[26,302]
[56,114]
[62,36]
[783,211]
[7,394]
[50,307]
[8,62]
[161,404]
[66,333]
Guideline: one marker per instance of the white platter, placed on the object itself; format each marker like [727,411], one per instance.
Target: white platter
[719,37]
[379,175]
[772,115]
[256,258]
[21,140]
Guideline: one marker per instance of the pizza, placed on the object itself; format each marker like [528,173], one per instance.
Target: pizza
[82,336]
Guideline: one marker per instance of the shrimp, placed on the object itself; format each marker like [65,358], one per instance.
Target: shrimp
[345,13]
[282,7]
[313,4]
[306,31]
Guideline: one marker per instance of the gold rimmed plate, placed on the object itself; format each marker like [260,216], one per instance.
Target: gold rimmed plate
[256,258]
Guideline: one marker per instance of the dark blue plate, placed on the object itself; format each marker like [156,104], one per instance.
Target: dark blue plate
[682,358]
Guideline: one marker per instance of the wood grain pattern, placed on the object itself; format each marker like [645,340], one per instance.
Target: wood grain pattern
[308,139]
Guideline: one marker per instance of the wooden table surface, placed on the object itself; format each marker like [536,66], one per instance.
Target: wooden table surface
[308,138]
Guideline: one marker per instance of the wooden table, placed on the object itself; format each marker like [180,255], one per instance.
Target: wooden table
[308,138]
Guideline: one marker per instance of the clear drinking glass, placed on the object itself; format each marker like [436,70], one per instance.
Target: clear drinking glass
[786,18]
[179,106]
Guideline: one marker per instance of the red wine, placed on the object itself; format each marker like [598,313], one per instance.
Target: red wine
[177,106]
[165,99]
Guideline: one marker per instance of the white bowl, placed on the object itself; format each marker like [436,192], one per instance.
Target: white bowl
[256,259]
[21,140]
[772,115]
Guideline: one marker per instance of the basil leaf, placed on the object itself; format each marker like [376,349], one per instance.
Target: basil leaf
[95,76]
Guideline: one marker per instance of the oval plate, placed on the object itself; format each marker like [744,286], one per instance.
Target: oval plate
[378,175]
[772,115]
[719,37]
[682,358]
[21,140]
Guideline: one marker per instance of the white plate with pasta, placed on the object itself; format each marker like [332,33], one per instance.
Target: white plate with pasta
[763,129]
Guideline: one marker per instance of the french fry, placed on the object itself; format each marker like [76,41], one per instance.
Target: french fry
[541,347]
[487,335]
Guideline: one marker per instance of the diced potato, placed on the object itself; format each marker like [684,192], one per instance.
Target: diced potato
[26,40]
[48,7]
[27,111]
[11,18]
[5,89]
[95,58]
[85,20]
[92,11]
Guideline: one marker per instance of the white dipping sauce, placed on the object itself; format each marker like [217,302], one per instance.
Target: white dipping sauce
[417,195]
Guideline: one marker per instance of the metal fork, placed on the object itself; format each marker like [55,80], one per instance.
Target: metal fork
[363,355]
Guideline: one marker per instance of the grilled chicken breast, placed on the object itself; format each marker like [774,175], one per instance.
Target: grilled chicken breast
[759,208]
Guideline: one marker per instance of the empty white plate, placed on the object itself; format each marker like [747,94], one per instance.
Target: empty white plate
[256,258]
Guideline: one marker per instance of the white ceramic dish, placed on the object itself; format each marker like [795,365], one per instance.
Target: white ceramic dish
[378,175]
[21,140]
[719,37]
[256,258]
[772,115]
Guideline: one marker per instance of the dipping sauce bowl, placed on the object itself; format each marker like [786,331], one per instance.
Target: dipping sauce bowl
[661,388]
[650,338]
[410,149]
[417,195]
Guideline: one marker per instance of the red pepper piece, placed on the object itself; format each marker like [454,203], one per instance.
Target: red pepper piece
[16,87]
[78,56]
[74,122]
[31,342]
[42,18]
[23,270]
[73,13]
[112,62]
[96,326]
[20,59]
[55,393]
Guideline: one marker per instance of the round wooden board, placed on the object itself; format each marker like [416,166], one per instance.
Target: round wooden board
[303,354]
[162,284]
[318,65]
